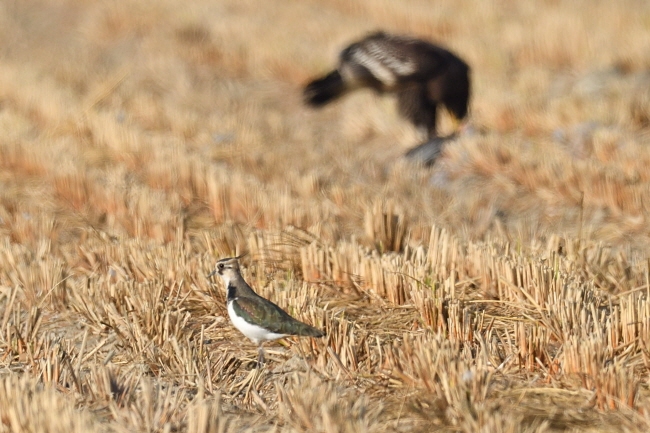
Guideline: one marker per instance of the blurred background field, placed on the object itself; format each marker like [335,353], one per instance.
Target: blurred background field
[504,289]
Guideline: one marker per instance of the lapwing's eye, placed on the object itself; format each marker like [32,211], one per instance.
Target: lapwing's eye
[221,265]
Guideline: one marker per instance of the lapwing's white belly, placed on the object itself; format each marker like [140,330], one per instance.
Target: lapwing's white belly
[256,333]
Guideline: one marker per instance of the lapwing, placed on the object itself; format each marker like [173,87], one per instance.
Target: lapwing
[257,318]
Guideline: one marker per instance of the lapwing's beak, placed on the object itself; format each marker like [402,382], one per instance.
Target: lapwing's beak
[212,273]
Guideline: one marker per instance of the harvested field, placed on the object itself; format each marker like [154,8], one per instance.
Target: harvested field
[505,289]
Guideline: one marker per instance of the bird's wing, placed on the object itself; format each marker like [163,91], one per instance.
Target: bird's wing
[391,59]
[268,315]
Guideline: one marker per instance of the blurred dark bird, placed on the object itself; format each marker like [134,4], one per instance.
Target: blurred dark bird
[422,75]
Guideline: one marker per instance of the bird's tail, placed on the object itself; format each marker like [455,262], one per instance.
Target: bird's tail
[323,90]
[309,331]
[314,332]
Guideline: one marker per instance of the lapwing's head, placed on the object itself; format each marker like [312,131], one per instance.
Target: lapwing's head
[227,269]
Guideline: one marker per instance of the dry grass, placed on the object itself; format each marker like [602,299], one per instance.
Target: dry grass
[506,289]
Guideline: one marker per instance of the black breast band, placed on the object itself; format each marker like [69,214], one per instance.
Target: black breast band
[231,292]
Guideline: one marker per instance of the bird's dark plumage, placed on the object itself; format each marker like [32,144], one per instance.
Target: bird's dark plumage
[422,75]
[255,309]
[321,91]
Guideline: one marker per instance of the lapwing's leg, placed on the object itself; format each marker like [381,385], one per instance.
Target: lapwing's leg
[260,355]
